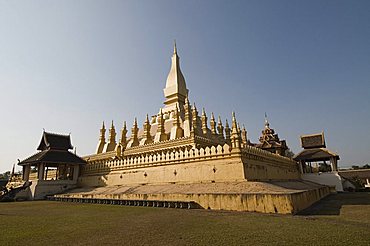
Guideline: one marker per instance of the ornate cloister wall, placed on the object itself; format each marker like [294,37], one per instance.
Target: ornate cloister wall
[215,164]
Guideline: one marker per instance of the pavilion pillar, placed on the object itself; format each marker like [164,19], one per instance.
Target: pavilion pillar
[46,172]
[26,172]
[334,164]
[301,166]
[40,171]
[76,169]
[308,167]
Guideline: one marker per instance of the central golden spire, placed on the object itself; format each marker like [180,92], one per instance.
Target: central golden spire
[175,91]
[174,47]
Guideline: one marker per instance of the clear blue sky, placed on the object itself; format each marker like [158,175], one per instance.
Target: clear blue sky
[68,65]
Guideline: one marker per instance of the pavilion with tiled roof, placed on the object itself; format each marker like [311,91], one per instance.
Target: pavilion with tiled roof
[314,150]
[54,161]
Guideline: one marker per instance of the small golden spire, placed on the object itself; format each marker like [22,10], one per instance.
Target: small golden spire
[147,119]
[203,112]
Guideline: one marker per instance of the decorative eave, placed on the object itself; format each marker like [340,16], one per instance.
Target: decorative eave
[316,154]
[186,142]
[53,156]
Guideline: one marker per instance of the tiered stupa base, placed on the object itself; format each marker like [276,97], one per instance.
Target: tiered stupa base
[283,197]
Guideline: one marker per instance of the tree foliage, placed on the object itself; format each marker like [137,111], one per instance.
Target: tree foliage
[357,167]
[5,175]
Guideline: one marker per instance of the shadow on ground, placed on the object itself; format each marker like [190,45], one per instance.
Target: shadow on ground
[332,204]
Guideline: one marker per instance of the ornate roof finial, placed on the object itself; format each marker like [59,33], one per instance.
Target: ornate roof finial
[147,118]
[204,122]
[177,117]
[187,103]
[112,133]
[187,108]
[220,128]
[174,47]
[102,132]
[134,141]
[101,143]
[267,124]
[147,138]
[161,122]
[160,135]
[176,130]
[123,140]
[234,123]
[213,125]
[227,132]
[111,145]
[244,137]
[235,133]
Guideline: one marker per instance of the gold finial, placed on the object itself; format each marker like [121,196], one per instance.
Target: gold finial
[103,126]
[174,47]
[234,124]
[267,124]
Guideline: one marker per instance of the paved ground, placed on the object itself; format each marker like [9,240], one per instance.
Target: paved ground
[341,219]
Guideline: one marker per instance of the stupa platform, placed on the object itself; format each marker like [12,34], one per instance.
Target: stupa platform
[283,197]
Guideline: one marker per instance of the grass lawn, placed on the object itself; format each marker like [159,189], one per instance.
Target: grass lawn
[341,219]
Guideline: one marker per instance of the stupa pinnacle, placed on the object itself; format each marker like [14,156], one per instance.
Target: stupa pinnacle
[175,91]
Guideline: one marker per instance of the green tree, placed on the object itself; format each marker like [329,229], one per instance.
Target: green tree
[323,167]
[5,175]
[366,166]
[289,153]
